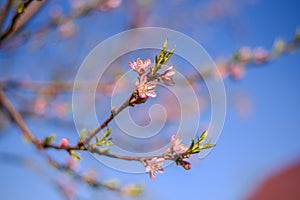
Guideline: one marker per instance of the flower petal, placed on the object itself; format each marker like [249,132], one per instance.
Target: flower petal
[148,169]
[152,175]
[142,95]
[151,85]
[168,81]
[132,65]
[151,94]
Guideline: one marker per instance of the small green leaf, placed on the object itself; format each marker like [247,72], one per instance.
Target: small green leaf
[104,140]
[169,54]
[82,134]
[202,137]
[74,155]
[165,45]
[104,143]
[163,57]
[50,139]
[196,147]
[107,133]
[20,7]
[206,146]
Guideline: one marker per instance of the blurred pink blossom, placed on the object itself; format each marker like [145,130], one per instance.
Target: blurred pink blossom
[78,4]
[109,4]
[260,55]
[237,71]
[155,165]
[67,29]
[244,54]
[40,105]
[61,109]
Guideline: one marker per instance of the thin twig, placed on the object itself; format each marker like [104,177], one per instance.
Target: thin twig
[40,144]
[18,119]
[20,18]
[113,114]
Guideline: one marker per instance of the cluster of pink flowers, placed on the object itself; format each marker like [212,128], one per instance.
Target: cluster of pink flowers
[144,87]
[236,67]
[257,55]
[177,148]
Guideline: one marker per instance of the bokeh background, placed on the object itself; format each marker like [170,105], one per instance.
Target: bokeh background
[260,136]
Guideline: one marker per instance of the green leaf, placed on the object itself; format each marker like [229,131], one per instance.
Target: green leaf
[163,57]
[104,143]
[50,139]
[82,134]
[202,137]
[169,54]
[196,147]
[107,133]
[74,155]
[20,7]
[165,45]
[104,140]
[206,146]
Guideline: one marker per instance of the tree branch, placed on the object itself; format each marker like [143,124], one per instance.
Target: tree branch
[18,119]
[20,18]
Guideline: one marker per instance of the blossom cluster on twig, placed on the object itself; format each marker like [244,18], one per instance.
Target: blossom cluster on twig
[245,57]
[149,76]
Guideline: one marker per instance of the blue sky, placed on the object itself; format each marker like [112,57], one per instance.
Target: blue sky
[249,149]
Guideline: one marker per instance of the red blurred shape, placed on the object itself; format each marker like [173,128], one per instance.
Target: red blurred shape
[283,185]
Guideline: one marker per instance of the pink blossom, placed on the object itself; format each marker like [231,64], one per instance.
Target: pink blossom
[64,143]
[67,29]
[140,66]
[109,4]
[260,55]
[244,54]
[40,105]
[237,71]
[155,165]
[61,109]
[177,147]
[167,76]
[78,4]
[145,89]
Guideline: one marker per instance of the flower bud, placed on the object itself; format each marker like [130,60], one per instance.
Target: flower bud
[64,143]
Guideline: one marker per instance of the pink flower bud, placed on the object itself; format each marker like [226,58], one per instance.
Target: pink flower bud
[64,143]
